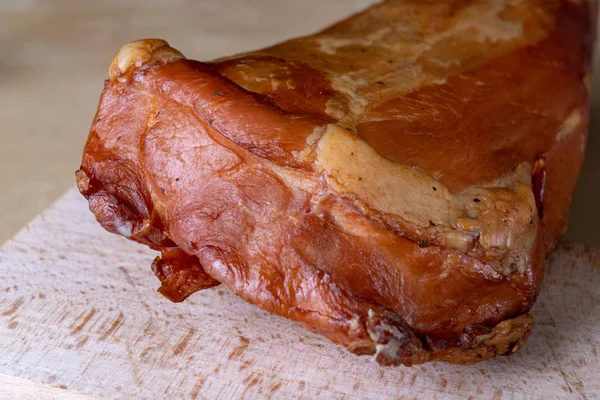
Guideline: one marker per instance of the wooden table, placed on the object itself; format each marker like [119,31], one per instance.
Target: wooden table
[79,315]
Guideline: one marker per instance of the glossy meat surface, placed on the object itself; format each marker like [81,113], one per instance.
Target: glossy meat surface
[393,182]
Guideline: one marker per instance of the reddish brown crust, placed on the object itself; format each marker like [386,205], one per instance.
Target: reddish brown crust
[216,166]
[293,86]
[181,275]
[501,113]
[410,280]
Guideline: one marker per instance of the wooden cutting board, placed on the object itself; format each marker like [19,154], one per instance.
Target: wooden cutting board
[80,316]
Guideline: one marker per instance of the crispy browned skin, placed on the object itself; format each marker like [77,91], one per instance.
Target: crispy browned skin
[393,182]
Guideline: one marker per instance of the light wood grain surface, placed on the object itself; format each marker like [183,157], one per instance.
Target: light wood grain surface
[54,56]
[79,314]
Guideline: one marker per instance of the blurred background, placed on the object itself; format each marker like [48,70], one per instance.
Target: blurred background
[54,57]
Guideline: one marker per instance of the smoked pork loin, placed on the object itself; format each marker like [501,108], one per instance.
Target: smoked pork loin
[394,182]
